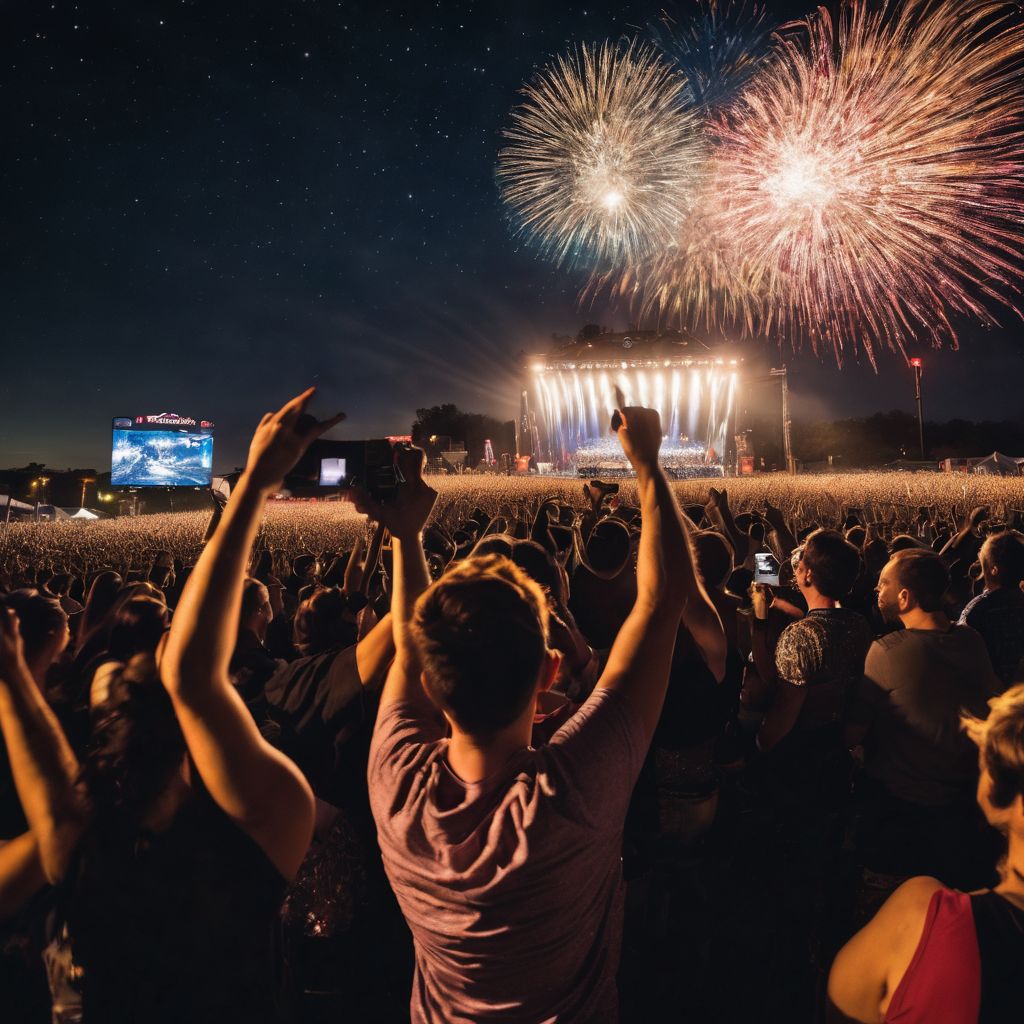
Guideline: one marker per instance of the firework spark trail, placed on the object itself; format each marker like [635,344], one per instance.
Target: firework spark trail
[602,156]
[718,49]
[699,280]
[871,176]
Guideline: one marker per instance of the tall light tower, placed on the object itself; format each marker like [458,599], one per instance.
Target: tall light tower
[787,436]
[917,368]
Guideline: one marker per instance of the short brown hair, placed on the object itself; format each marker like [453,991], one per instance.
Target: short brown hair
[1000,737]
[482,633]
[924,574]
[1005,550]
[320,623]
[833,561]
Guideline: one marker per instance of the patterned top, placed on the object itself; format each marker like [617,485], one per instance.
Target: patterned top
[825,652]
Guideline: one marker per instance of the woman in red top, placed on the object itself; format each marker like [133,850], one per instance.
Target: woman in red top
[937,956]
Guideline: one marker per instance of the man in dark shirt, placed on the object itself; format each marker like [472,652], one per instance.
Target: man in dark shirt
[921,770]
[998,612]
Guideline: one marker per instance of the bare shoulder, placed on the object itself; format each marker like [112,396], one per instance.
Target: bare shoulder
[869,967]
[903,914]
[915,892]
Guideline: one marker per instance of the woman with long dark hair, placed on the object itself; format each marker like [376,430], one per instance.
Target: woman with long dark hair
[102,594]
[174,843]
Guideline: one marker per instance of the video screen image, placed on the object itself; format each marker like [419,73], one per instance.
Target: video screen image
[161,458]
[332,472]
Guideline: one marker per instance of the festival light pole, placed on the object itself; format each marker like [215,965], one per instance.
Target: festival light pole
[917,367]
[787,438]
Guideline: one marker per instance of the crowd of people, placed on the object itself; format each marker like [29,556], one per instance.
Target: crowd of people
[514,757]
[680,460]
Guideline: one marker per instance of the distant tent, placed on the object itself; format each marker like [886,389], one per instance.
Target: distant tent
[998,464]
[81,513]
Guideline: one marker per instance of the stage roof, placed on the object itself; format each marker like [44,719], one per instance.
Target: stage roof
[633,349]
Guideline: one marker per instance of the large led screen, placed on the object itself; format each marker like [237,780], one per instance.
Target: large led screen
[160,457]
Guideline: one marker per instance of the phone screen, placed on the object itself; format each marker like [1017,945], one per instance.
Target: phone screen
[332,472]
[766,569]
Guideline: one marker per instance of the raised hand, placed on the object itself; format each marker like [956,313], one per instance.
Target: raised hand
[281,439]
[414,501]
[977,517]
[639,433]
[773,515]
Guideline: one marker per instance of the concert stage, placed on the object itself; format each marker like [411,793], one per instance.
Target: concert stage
[567,403]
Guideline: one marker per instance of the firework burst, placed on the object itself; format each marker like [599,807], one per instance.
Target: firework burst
[603,155]
[871,176]
[718,50]
[699,280]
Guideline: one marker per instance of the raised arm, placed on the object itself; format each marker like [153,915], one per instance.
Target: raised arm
[21,873]
[784,538]
[405,520]
[720,514]
[253,783]
[44,767]
[667,580]
[375,651]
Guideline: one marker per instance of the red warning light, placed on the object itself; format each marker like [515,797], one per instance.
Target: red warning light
[915,362]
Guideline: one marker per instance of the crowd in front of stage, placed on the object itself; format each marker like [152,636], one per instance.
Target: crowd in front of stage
[606,761]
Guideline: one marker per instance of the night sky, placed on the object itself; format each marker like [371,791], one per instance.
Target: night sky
[209,206]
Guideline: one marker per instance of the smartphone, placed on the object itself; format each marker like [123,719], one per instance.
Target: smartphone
[766,569]
[333,472]
[370,464]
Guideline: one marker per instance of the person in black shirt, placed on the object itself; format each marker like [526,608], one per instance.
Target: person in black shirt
[252,664]
[997,613]
[919,814]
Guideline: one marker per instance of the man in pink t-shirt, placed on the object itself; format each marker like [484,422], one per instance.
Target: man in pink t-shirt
[506,860]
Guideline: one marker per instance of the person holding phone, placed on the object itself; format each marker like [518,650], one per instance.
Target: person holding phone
[819,659]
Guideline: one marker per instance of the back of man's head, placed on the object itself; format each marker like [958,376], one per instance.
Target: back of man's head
[320,624]
[1004,552]
[833,563]
[714,558]
[608,547]
[481,632]
[303,565]
[924,575]
[538,564]
[857,535]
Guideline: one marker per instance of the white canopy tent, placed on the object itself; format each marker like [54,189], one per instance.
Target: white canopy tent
[81,513]
[997,464]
